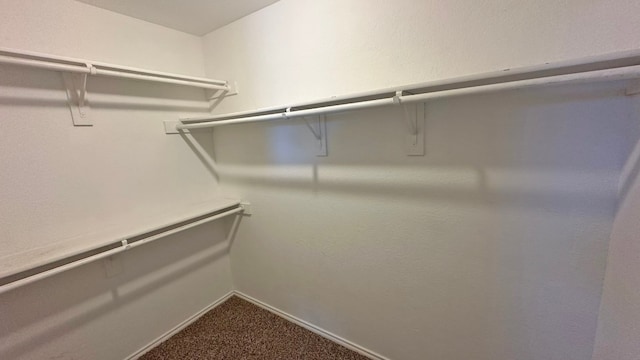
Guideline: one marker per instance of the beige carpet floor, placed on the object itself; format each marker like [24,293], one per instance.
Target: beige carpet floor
[238,330]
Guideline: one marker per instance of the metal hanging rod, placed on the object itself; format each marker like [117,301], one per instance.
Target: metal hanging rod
[71,261]
[72,65]
[602,68]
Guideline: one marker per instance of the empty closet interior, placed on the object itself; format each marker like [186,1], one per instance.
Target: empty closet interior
[353,179]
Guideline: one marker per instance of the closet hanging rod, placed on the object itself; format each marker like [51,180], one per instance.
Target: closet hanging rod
[608,67]
[65,64]
[56,266]
[626,73]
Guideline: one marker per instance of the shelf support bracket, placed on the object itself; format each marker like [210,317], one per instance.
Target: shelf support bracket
[319,131]
[246,208]
[414,115]
[215,97]
[215,94]
[76,88]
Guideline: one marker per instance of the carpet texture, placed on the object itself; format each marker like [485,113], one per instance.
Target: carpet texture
[238,330]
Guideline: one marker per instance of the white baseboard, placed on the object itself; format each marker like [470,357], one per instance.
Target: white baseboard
[178,328]
[315,329]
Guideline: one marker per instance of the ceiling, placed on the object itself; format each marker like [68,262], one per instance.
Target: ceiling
[197,17]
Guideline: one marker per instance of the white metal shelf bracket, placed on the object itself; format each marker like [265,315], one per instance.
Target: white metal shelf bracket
[170,127]
[213,95]
[76,88]
[319,131]
[246,208]
[414,115]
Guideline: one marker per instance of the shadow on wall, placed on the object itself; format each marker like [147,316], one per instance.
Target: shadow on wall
[560,147]
[41,88]
[45,89]
[495,241]
[631,167]
[195,141]
[41,312]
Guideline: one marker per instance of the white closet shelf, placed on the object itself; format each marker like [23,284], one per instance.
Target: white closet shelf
[88,67]
[602,68]
[24,268]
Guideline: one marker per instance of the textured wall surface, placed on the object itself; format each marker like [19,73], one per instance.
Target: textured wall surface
[304,50]
[493,245]
[618,329]
[60,182]
[67,28]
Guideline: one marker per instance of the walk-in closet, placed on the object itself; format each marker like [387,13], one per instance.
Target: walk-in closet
[319,179]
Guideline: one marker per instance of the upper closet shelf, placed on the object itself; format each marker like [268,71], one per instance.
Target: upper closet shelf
[602,68]
[88,67]
[76,71]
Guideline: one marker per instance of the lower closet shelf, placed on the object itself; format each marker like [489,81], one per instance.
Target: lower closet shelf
[27,267]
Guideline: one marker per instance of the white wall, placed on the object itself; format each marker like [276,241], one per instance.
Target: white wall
[493,245]
[341,47]
[618,329]
[66,28]
[60,182]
